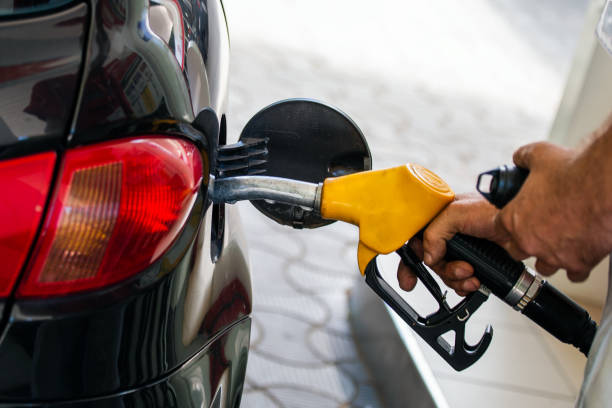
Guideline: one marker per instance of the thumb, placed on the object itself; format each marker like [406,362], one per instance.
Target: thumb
[540,152]
[441,229]
[523,156]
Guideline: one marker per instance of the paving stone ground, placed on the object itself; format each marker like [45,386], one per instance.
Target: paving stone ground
[453,86]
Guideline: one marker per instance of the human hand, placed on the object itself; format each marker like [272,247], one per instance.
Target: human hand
[558,215]
[469,214]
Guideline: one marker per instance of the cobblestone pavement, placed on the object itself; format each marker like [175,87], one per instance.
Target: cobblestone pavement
[302,354]
[453,86]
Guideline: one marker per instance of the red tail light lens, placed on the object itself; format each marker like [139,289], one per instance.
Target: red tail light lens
[117,207]
[25,183]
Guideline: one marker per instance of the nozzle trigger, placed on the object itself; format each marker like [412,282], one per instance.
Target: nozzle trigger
[431,328]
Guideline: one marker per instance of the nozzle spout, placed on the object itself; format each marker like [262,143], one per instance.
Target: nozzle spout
[288,191]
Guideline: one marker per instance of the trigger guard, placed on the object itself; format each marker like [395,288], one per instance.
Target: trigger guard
[460,355]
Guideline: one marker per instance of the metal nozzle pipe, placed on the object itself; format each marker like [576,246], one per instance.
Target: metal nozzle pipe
[232,189]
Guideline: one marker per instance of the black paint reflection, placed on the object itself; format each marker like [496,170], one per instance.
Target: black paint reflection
[41,58]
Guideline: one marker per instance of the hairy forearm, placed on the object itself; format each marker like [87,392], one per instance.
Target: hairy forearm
[593,169]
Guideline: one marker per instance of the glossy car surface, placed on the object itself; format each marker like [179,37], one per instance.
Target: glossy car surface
[78,74]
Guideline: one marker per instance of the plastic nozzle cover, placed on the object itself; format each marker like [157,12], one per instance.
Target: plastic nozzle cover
[500,185]
[390,206]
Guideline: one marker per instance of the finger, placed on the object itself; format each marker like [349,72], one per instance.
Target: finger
[417,246]
[526,155]
[537,153]
[456,285]
[456,270]
[470,285]
[577,276]
[464,286]
[441,229]
[545,268]
[522,157]
[407,280]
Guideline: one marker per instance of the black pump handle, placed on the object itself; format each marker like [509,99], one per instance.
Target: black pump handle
[545,305]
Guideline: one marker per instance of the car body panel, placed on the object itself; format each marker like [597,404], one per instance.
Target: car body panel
[130,334]
[212,378]
[39,75]
[132,343]
[140,78]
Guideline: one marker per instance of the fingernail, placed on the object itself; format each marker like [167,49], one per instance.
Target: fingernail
[427,258]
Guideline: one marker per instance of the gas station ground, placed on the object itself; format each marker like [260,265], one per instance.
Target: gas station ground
[453,86]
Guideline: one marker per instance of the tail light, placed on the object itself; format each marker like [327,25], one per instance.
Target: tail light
[25,183]
[117,207]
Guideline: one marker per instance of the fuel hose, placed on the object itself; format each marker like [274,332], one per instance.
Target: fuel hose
[519,287]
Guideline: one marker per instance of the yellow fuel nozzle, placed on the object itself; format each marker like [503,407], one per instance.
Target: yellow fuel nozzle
[389,206]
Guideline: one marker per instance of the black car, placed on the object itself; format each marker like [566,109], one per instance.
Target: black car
[121,284]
